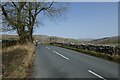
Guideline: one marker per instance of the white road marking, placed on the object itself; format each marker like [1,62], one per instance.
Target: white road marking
[48,48]
[96,74]
[0,76]
[61,55]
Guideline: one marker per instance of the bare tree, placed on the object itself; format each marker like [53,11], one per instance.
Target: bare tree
[22,16]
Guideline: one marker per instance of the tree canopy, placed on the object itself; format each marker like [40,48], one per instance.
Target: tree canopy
[22,16]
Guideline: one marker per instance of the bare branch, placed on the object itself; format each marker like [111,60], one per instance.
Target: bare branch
[14,5]
[22,15]
[7,17]
[50,5]
[45,8]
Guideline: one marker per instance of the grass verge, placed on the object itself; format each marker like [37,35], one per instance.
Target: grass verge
[114,58]
[16,61]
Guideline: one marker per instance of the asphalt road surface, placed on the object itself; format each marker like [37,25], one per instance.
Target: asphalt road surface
[56,62]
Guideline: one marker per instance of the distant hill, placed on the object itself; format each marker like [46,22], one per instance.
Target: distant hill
[43,38]
[106,40]
[85,39]
[9,37]
[47,39]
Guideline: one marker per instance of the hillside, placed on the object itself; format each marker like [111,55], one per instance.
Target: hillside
[9,37]
[43,38]
[47,39]
[107,40]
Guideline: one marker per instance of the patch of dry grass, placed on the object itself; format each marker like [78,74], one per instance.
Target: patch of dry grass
[0,61]
[16,60]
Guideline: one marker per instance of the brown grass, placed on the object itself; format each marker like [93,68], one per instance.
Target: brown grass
[16,60]
[0,61]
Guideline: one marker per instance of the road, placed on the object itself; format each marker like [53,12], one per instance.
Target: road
[56,62]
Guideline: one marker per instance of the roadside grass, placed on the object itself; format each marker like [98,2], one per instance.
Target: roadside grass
[0,61]
[16,61]
[114,58]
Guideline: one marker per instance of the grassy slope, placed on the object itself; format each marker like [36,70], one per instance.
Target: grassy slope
[0,61]
[46,39]
[108,40]
[16,61]
[4,37]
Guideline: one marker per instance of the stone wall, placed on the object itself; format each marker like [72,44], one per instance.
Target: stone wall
[112,50]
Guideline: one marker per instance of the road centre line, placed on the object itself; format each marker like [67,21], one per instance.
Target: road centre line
[96,74]
[61,55]
[47,47]
[0,76]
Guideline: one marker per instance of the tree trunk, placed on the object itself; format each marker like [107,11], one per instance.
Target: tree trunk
[22,35]
[22,39]
[30,35]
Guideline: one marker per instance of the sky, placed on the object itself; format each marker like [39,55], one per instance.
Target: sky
[84,20]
